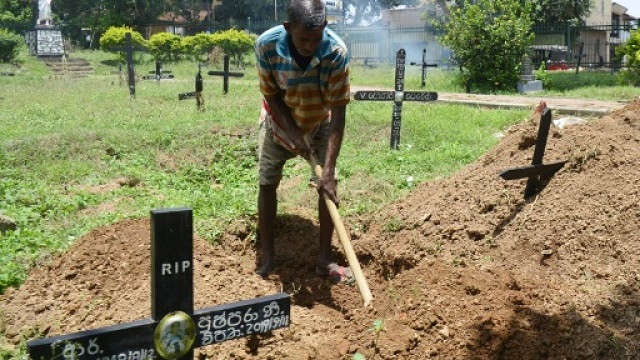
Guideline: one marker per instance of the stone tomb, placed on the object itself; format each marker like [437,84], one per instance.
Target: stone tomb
[174,329]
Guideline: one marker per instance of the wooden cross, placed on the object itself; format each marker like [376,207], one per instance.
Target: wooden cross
[537,172]
[423,79]
[197,93]
[159,73]
[129,49]
[225,74]
[398,96]
[174,329]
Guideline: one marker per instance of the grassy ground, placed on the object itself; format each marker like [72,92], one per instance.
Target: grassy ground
[76,154]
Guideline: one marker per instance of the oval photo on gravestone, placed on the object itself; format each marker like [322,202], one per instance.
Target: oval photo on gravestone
[174,336]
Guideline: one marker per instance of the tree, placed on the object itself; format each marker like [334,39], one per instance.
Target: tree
[489,40]
[560,11]
[364,11]
[630,53]
[17,14]
[257,10]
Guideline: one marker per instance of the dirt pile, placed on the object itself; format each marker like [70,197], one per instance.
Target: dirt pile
[463,268]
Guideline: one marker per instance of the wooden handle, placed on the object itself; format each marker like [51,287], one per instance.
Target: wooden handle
[344,239]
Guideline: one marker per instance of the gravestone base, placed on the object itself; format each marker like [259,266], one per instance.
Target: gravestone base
[45,40]
[525,87]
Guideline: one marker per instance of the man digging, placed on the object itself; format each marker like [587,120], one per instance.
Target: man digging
[304,77]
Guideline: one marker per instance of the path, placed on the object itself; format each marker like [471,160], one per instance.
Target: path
[581,107]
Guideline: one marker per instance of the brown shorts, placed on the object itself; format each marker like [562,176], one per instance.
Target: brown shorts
[272,156]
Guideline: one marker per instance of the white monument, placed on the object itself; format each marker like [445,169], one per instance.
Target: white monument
[44,12]
[46,39]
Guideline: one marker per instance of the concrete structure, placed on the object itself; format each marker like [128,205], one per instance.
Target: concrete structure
[45,40]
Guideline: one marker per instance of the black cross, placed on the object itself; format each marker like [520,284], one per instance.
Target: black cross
[579,57]
[424,65]
[398,96]
[175,329]
[195,94]
[225,74]
[129,49]
[159,73]
[537,172]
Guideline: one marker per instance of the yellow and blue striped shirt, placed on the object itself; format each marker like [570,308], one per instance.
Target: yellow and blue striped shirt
[309,93]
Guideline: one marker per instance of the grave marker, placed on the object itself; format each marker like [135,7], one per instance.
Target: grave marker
[579,57]
[175,329]
[129,49]
[537,172]
[159,73]
[398,96]
[195,94]
[424,65]
[225,74]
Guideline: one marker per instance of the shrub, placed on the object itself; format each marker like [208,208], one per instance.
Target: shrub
[234,43]
[199,46]
[543,75]
[9,45]
[489,39]
[630,52]
[115,36]
[165,46]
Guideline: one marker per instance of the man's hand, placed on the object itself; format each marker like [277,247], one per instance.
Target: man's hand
[302,146]
[328,185]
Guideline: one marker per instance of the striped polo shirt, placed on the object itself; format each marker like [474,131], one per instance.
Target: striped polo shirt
[309,93]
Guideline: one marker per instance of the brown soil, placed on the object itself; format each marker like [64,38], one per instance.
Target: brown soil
[462,268]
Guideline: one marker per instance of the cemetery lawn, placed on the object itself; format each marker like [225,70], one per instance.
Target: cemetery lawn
[78,155]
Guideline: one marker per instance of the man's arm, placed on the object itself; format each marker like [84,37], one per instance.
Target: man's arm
[327,183]
[282,115]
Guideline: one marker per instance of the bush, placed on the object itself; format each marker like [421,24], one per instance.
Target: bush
[630,52]
[115,36]
[199,46]
[234,43]
[543,75]
[165,46]
[490,39]
[9,45]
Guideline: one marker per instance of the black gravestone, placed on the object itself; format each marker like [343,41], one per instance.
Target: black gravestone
[537,173]
[175,329]
[129,49]
[424,65]
[398,96]
[225,74]
[159,73]
[198,91]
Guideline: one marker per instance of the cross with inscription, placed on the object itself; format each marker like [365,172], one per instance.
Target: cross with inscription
[129,49]
[225,74]
[537,173]
[174,329]
[398,96]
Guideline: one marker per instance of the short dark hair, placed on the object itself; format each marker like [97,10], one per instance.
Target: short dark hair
[311,14]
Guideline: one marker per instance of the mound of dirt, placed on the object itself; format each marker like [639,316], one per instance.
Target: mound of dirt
[463,268]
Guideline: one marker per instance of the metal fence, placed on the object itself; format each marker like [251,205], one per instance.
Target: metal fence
[592,46]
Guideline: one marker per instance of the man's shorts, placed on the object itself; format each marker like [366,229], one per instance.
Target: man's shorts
[272,156]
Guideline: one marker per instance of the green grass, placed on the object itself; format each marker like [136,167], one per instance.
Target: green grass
[599,85]
[76,154]
[79,154]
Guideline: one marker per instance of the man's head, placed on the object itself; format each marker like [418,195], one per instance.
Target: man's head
[306,20]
